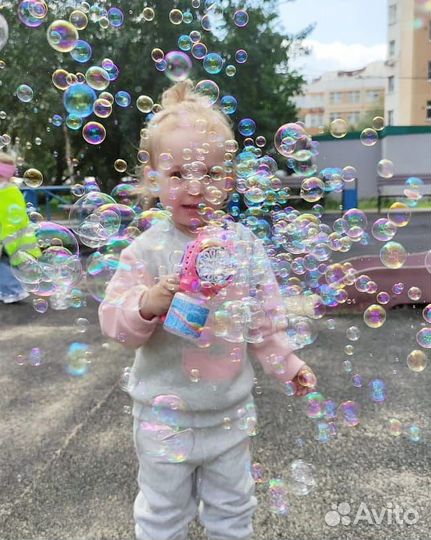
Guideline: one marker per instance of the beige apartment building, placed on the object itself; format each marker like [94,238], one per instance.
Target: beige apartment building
[408,90]
[351,95]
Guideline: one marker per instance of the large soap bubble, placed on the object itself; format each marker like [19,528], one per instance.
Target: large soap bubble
[4,32]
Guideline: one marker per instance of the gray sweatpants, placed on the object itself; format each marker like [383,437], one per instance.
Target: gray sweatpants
[213,481]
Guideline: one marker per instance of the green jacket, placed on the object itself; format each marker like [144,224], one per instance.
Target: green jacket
[16,233]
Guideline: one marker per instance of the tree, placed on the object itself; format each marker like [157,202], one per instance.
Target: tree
[264,85]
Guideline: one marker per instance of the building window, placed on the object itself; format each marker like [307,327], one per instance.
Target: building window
[391,84]
[429,71]
[392,48]
[354,97]
[373,95]
[335,97]
[392,13]
[334,115]
[428,111]
[353,117]
[390,118]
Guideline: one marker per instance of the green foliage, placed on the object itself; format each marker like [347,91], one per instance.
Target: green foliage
[263,86]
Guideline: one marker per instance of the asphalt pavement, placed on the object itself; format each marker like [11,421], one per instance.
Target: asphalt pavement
[67,463]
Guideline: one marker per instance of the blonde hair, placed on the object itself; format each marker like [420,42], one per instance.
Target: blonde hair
[7,158]
[181,106]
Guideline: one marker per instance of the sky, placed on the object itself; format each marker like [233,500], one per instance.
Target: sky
[348,35]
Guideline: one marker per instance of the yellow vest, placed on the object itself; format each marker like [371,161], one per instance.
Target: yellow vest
[16,233]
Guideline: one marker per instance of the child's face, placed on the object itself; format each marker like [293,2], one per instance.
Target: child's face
[186,181]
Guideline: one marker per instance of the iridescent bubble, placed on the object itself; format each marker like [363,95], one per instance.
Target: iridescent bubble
[427,261]
[399,214]
[348,413]
[115,17]
[78,358]
[213,63]
[241,56]
[176,16]
[414,293]
[102,108]
[290,138]
[378,123]
[148,14]
[79,19]
[383,297]
[40,305]
[393,255]
[28,15]
[349,173]
[178,67]
[184,42]
[94,133]
[369,137]
[24,93]
[123,99]
[59,79]
[229,104]
[209,89]
[383,230]
[338,128]
[413,433]
[120,165]
[315,405]
[33,178]
[278,499]
[36,357]
[374,316]
[353,333]
[377,388]
[199,50]
[417,361]
[74,122]
[79,100]
[398,288]
[241,18]
[426,313]
[97,78]
[258,473]
[62,36]
[395,427]
[385,168]
[423,338]
[81,52]
[230,70]
[247,127]
[312,189]
[166,443]
[144,104]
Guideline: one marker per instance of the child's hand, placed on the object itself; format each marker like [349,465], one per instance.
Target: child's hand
[157,299]
[305,381]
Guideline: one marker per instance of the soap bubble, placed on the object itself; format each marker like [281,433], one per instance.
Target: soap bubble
[178,67]
[247,127]
[81,52]
[378,123]
[59,79]
[414,293]
[338,128]
[213,63]
[62,36]
[312,189]
[40,305]
[377,388]
[302,477]
[148,14]
[79,19]
[417,360]
[77,359]
[168,409]
[399,214]
[102,108]
[79,100]
[123,99]
[94,133]
[383,229]
[426,313]
[144,104]
[278,500]
[241,56]
[165,443]
[315,405]
[385,168]
[24,93]
[290,138]
[353,333]
[176,16]
[241,18]
[423,338]
[209,89]
[369,137]
[97,78]
[33,178]
[229,104]
[27,14]
[348,413]
[393,255]
[374,316]
[395,427]
[116,17]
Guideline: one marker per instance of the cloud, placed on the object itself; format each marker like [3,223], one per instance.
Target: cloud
[336,56]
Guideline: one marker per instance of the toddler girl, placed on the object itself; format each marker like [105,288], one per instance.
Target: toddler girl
[192,403]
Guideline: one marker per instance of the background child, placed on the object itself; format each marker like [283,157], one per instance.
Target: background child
[15,234]
[192,403]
